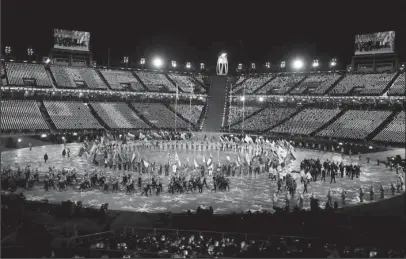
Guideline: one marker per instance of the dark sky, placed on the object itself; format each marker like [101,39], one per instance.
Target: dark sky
[250,31]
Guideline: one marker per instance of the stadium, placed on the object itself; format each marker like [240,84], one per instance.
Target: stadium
[148,156]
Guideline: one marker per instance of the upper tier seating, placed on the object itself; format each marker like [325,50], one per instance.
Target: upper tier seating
[184,82]
[118,116]
[120,80]
[18,73]
[155,81]
[317,84]
[282,84]
[355,124]
[399,86]
[73,77]
[252,84]
[371,84]
[239,80]
[71,115]
[191,113]
[235,113]
[159,115]
[306,121]
[265,119]
[21,115]
[394,131]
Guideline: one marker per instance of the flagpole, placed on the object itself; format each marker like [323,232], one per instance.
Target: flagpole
[243,111]
[176,104]
[229,126]
[190,107]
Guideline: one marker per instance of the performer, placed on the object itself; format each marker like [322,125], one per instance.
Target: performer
[382,190]
[46,157]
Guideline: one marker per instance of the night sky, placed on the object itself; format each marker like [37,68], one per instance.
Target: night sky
[197,31]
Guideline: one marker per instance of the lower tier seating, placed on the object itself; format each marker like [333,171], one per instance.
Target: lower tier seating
[190,112]
[306,121]
[394,131]
[118,116]
[235,113]
[21,115]
[71,115]
[355,124]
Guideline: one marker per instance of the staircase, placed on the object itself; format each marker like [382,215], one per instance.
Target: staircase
[284,120]
[140,81]
[233,89]
[98,118]
[215,108]
[141,116]
[391,82]
[296,85]
[103,79]
[267,82]
[382,126]
[173,82]
[329,122]
[334,84]
[46,117]
[50,75]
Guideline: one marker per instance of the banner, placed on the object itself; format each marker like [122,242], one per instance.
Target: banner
[375,43]
[71,40]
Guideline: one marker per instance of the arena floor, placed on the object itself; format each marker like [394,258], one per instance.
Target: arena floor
[246,193]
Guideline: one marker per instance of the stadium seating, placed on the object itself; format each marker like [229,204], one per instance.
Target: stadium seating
[371,84]
[235,113]
[399,86]
[265,119]
[355,124]
[120,80]
[282,84]
[72,77]
[317,84]
[156,82]
[190,112]
[21,115]
[160,116]
[252,84]
[306,121]
[394,131]
[184,82]
[71,115]
[118,116]
[23,74]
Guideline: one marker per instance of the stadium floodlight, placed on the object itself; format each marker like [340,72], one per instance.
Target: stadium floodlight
[333,62]
[188,65]
[283,64]
[43,135]
[30,51]
[157,62]
[201,66]
[46,60]
[281,99]
[315,63]
[297,64]
[142,61]
[125,60]
[7,50]
[242,98]
[261,99]
[240,66]
[252,65]
[268,65]
[19,140]
[173,63]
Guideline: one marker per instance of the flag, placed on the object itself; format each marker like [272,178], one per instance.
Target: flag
[196,165]
[177,159]
[131,136]
[204,160]
[81,151]
[146,164]
[247,158]
[169,158]
[238,160]
[228,158]
[133,157]
[248,139]
[221,139]
[209,161]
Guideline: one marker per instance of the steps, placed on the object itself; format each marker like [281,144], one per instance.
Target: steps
[173,82]
[382,126]
[140,81]
[103,79]
[215,105]
[391,82]
[329,122]
[46,117]
[284,120]
[50,75]
[262,86]
[141,116]
[334,85]
[98,118]
[179,115]
[237,88]
[296,85]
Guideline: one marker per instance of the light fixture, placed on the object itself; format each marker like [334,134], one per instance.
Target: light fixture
[30,51]
[173,63]
[201,66]
[125,60]
[253,65]
[240,66]
[333,62]
[297,64]
[283,64]
[315,63]
[7,50]
[261,99]
[19,140]
[268,65]
[142,61]
[188,65]
[43,135]
[242,98]
[157,62]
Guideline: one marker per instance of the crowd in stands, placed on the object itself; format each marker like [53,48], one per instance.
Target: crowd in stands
[71,115]
[22,74]
[156,82]
[394,131]
[355,124]
[120,80]
[251,84]
[307,121]
[184,82]
[281,84]
[21,115]
[265,119]
[75,77]
[399,86]
[316,84]
[236,113]
[370,84]
[191,113]
[160,116]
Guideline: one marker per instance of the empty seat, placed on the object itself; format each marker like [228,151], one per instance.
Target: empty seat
[121,80]
[21,115]
[23,74]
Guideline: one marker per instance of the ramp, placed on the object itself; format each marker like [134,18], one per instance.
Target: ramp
[215,104]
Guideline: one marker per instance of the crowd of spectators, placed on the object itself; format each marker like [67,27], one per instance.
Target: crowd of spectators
[394,131]
[399,86]
[121,80]
[370,84]
[24,74]
[77,77]
[316,84]
[251,84]
[236,113]
[156,82]
[192,113]
[184,82]
[282,84]
[71,115]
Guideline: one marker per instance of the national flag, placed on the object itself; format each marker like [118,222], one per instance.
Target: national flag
[133,157]
[177,159]
[238,160]
[209,161]
[146,164]
[131,136]
[228,158]
[247,158]
[195,163]
[221,139]
[204,160]
[81,151]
